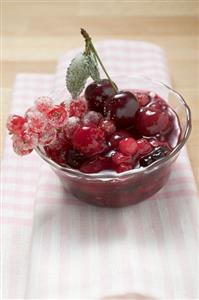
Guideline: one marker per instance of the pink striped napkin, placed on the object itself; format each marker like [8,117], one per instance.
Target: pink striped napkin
[55,246]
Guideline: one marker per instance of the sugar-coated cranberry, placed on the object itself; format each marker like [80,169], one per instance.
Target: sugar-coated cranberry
[108,127]
[48,135]
[18,146]
[128,146]
[155,155]
[123,168]
[92,117]
[119,158]
[15,124]
[144,146]
[61,141]
[97,94]
[117,137]
[57,116]
[151,121]
[35,120]
[72,124]
[89,140]
[78,107]
[44,104]
[75,158]
[122,109]
[24,142]
[95,165]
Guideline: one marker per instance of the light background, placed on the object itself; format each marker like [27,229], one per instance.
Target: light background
[35,33]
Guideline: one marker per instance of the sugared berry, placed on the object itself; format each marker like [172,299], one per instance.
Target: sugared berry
[122,109]
[97,95]
[35,120]
[18,146]
[89,140]
[92,117]
[128,146]
[15,124]
[77,107]
[48,135]
[57,116]
[24,142]
[71,125]
[108,127]
[44,104]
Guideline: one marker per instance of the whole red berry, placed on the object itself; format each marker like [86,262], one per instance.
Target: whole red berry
[128,146]
[92,117]
[122,109]
[144,147]
[15,124]
[78,107]
[116,138]
[97,95]
[89,140]
[72,124]
[44,104]
[119,158]
[57,116]
[108,127]
[151,121]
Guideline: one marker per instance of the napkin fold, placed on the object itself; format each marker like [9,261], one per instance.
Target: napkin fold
[55,246]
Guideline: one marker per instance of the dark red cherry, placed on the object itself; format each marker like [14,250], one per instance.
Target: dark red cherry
[97,94]
[122,109]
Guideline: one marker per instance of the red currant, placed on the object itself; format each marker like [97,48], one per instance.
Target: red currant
[78,107]
[15,124]
[57,116]
[44,104]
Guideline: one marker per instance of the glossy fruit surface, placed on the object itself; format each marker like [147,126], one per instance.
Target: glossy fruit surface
[122,109]
[152,120]
[97,94]
[89,140]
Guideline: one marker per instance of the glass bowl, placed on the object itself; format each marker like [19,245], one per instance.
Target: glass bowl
[117,190]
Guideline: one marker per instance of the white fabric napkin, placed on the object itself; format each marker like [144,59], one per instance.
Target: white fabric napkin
[55,246]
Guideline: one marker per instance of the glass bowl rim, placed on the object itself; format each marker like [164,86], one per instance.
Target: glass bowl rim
[112,174]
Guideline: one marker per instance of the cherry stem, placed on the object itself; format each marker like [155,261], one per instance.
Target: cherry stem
[90,47]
